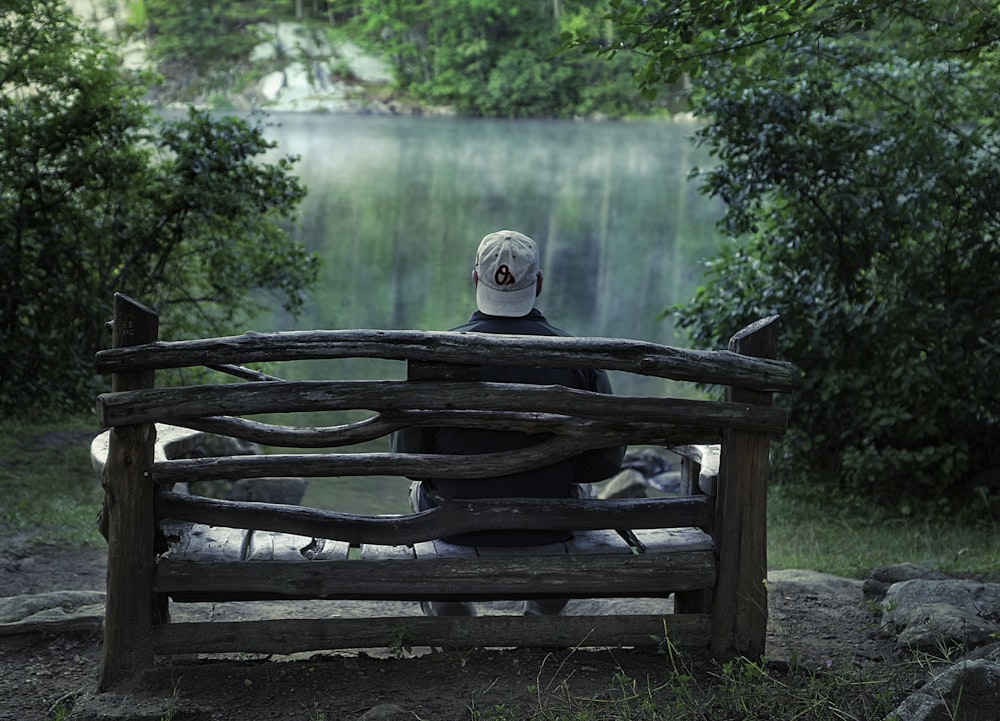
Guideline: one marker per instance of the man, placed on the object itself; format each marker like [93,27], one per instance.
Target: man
[508,279]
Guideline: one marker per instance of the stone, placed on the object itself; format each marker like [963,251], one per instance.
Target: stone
[264,52]
[364,67]
[271,85]
[627,484]
[967,691]
[816,582]
[648,461]
[939,614]
[211,445]
[880,579]
[287,491]
[387,712]
[52,612]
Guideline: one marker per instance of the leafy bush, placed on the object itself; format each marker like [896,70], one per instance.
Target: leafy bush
[872,229]
[98,196]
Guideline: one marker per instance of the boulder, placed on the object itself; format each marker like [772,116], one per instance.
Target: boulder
[880,579]
[940,614]
[967,691]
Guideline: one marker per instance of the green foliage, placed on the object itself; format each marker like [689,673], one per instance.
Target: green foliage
[97,196]
[858,156]
[680,39]
[497,59]
[203,33]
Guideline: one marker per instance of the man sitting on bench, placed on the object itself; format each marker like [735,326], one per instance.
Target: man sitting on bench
[508,279]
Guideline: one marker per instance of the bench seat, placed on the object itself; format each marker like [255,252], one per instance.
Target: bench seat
[210,563]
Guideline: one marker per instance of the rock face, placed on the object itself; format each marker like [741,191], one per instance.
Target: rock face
[298,68]
[309,73]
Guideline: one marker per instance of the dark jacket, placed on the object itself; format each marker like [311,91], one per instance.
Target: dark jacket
[559,480]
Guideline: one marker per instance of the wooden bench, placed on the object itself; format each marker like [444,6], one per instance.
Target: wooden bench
[706,547]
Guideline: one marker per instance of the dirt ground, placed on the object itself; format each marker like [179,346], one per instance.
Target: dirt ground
[43,676]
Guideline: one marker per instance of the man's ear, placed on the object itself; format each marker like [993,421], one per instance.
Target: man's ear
[538,285]
[475,277]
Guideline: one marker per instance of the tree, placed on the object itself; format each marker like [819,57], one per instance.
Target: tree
[859,158]
[98,196]
[485,58]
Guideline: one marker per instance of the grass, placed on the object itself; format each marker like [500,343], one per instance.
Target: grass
[850,543]
[742,689]
[51,495]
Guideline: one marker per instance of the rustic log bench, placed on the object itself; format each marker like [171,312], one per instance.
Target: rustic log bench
[705,547]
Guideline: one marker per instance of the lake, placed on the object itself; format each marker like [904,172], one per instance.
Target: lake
[397,206]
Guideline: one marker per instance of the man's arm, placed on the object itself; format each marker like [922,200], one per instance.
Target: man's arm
[601,463]
[411,440]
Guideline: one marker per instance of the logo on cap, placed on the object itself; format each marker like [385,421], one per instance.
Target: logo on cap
[503,276]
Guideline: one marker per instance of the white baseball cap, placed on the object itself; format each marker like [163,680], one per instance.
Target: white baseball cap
[507,267]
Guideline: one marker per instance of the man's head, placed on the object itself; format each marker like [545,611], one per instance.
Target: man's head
[506,275]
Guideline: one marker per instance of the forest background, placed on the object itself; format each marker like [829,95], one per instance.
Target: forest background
[857,155]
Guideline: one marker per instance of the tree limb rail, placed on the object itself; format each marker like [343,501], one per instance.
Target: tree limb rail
[169,404]
[641,357]
[450,518]
[269,434]
[272,434]
[412,465]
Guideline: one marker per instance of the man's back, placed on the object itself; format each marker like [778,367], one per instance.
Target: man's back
[507,278]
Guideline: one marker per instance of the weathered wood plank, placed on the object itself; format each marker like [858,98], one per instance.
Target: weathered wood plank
[704,458]
[712,367]
[201,542]
[600,540]
[128,515]
[585,576]
[739,604]
[499,552]
[661,540]
[325,549]
[448,519]
[669,540]
[272,546]
[283,636]
[437,547]
[373,552]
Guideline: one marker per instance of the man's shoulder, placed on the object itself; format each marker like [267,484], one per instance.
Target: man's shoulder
[532,324]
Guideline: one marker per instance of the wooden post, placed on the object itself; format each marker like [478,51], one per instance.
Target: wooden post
[699,601]
[128,504]
[739,608]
